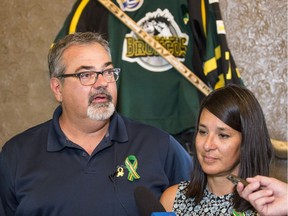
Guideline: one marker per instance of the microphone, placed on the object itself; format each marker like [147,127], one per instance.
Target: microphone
[148,204]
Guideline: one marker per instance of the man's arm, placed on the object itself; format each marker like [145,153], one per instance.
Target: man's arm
[7,197]
[179,163]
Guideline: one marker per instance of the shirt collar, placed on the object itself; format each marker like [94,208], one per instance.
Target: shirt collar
[57,139]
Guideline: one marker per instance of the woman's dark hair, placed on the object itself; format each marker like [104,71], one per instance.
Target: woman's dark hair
[237,107]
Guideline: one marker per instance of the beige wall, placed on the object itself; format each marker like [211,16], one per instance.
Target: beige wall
[257,36]
[256,32]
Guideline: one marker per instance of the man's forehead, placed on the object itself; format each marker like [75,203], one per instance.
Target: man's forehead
[92,67]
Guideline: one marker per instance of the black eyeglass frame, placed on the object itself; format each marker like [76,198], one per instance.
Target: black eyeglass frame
[116,72]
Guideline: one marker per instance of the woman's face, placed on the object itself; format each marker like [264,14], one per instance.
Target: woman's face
[217,146]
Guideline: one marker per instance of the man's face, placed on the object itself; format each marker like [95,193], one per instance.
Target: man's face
[96,101]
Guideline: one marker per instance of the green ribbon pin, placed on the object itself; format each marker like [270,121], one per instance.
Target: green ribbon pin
[235,213]
[132,165]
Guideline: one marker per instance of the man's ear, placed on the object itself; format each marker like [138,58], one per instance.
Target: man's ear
[56,87]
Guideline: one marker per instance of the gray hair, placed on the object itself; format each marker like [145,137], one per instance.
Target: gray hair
[56,66]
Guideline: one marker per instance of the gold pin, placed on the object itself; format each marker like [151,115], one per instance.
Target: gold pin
[120,172]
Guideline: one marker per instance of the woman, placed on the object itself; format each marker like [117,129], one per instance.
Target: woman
[231,138]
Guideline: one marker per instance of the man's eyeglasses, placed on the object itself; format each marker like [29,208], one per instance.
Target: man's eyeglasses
[90,77]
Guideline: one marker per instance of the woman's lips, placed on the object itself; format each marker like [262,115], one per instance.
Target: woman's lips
[209,159]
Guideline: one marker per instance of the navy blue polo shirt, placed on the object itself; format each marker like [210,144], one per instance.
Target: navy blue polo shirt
[43,173]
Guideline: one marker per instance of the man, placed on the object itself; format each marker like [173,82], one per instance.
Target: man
[150,90]
[86,160]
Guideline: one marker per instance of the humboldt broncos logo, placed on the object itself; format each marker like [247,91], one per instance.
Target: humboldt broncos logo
[161,25]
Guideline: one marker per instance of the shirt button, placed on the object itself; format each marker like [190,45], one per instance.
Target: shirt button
[84,154]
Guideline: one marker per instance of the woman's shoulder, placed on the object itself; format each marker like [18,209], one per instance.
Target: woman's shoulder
[170,191]
[168,197]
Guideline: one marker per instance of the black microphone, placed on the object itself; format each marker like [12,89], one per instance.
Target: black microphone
[147,203]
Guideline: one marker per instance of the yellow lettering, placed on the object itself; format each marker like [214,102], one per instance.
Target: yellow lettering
[164,46]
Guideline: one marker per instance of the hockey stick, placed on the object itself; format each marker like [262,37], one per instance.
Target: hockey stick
[189,75]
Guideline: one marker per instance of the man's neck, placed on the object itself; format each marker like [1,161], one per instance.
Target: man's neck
[86,133]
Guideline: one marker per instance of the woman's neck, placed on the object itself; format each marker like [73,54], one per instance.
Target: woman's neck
[219,186]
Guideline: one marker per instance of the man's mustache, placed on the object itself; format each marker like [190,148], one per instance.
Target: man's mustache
[100,91]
